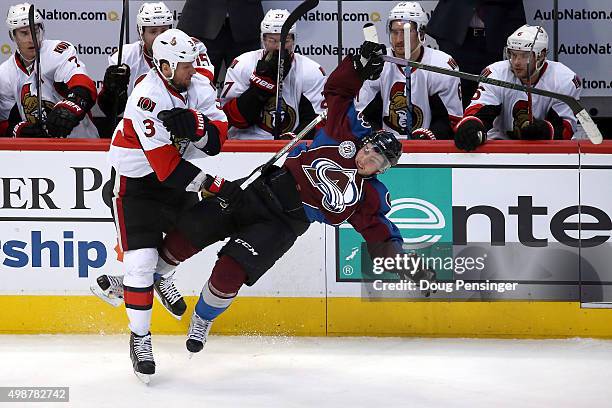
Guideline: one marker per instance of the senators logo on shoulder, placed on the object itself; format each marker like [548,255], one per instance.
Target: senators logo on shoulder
[146,104]
[61,47]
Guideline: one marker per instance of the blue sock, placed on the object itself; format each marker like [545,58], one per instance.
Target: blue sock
[210,305]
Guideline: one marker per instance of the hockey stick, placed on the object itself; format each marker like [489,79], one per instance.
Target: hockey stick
[529,85]
[259,171]
[407,74]
[295,15]
[33,33]
[583,117]
[124,16]
[124,13]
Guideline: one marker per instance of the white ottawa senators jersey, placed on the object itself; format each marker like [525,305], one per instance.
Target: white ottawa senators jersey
[392,88]
[305,77]
[141,144]
[140,64]
[554,77]
[60,69]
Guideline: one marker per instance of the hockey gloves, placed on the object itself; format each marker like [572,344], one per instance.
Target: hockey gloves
[117,78]
[67,114]
[369,63]
[29,129]
[184,123]
[470,133]
[228,192]
[538,130]
[266,71]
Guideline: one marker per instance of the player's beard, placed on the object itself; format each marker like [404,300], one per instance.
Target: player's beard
[178,88]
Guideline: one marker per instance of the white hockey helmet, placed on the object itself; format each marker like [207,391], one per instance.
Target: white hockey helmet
[17,17]
[153,15]
[529,38]
[272,23]
[174,46]
[408,11]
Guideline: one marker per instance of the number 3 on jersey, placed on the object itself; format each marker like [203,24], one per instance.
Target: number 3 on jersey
[149,127]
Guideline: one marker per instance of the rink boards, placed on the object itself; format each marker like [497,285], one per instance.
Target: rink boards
[537,216]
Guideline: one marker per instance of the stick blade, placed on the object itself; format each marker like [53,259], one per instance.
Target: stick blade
[590,128]
[32,24]
[295,15]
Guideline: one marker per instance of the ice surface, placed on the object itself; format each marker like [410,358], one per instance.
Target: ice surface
[316,372]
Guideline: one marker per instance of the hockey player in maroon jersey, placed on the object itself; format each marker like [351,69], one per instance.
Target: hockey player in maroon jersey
[502,113]
[168,122]
[331,181]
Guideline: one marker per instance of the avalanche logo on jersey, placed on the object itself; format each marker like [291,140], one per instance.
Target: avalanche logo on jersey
[30,104]
[288,116]
[520,116]
[398,110]
[336,183]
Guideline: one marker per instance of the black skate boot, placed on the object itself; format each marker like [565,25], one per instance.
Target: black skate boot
[109,288]
[169,296]
[141,353]
[198,333]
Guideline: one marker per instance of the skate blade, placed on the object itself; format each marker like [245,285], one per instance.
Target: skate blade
[116,302]
[145,378]
[177,317]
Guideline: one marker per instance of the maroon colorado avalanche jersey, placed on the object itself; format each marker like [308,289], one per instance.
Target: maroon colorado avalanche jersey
[331,189]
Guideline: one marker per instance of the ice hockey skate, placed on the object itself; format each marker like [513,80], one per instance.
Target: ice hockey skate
[198,333]
[169,296]
[141,353]
[109,288]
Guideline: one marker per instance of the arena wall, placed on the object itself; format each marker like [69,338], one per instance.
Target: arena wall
[57,236]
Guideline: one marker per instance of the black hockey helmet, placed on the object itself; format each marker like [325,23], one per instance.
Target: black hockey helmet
[385,143]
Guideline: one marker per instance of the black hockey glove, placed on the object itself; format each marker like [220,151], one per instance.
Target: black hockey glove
[184,123]
[28,129]
[67,114]
[369,63]
[228,192]
[117,78]
[424,275]
[470,133]
[266,71]
[417,275]
[538,130]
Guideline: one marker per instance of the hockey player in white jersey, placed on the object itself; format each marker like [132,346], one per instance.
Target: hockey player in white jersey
[167,122]
[68,93]
[119,80]
[501,113]
[436,98]
[249,92]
